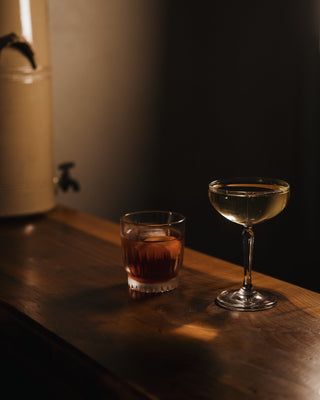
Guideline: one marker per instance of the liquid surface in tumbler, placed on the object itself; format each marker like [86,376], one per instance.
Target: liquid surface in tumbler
[249,204]
[153,259]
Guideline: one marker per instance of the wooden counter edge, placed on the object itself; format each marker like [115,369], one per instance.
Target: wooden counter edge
[109,231]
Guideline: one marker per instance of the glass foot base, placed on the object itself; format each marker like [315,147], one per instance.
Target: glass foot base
[246,300]
[160,287]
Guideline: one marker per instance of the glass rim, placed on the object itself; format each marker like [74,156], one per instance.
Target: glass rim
[126,218]
[248,179]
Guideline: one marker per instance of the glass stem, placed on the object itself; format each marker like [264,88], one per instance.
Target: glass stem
[248,240]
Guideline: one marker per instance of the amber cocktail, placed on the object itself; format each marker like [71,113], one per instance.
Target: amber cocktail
[152,249]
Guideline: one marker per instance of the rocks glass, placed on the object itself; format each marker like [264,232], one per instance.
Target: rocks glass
[152,249]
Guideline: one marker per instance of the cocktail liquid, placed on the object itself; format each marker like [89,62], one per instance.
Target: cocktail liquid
[153,259]
[249,204]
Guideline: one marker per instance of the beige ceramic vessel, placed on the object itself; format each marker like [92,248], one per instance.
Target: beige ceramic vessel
[26,160]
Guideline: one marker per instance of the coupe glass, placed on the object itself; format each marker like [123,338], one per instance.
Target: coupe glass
[248,201]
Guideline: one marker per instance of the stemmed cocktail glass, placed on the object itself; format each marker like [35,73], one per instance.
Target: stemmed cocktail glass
[247,202]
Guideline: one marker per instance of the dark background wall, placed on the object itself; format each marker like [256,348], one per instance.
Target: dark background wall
[171,94]
[240,96]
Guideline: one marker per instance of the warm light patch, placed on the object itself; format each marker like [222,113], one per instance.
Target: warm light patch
[28,229]
[196,332]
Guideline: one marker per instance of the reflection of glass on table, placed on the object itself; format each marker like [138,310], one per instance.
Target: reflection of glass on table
[248,201]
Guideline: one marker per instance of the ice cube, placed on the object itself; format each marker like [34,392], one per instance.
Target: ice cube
[153,232]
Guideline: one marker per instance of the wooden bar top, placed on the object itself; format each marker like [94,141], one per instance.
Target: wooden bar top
[66,314]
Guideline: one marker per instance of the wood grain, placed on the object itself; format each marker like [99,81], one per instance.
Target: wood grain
[64,271]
